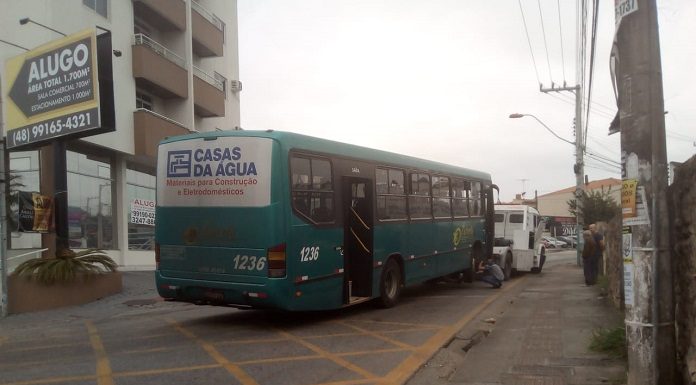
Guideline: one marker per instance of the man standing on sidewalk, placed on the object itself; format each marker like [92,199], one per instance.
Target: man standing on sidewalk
[599,249]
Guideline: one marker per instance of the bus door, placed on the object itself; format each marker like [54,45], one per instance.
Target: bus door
[357,237]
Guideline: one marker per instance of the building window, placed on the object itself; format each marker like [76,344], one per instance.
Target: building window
[24,176]
[143,101]
[90,205]
[99,6]
[141,196]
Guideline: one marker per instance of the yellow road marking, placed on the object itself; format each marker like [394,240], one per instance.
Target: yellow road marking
[376,351]
[409,366]
[52,380]
[330,356]
[165,371]
[400,323]
[377,335]
[104,375]
[251,341]
[350,382]
[233,369]
[279,359]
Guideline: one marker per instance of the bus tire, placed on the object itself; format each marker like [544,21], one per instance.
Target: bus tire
[390,284]
[507,270]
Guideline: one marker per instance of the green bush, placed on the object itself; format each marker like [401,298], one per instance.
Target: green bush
[611,341]
[66,266]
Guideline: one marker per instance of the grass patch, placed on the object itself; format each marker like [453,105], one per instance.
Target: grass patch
[611,341]
[603,282]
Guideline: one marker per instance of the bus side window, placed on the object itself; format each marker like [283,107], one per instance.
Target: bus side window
[419,200]
[460,195]
[391,197]
[312,188]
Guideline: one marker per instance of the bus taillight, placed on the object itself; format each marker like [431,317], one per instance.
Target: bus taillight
[276,261]
[157,255]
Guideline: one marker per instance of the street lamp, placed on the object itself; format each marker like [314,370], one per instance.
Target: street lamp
[517,116]
[25,20]
[579,171]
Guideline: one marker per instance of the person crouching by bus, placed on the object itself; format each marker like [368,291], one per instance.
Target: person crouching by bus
[589,257]
[492,273]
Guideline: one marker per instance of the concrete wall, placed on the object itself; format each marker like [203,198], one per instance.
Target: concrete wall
[683,194]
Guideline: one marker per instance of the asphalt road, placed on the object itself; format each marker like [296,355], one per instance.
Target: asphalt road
[134,338]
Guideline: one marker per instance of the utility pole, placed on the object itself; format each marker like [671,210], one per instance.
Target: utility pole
[579,167]
[647,266]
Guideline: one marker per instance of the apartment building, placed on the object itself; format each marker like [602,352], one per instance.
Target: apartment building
[175,69]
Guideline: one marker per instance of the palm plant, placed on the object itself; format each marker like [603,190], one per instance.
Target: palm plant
[66,266]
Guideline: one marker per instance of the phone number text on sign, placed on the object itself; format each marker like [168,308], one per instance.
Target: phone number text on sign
[142,212]
[143,217]
[54,127]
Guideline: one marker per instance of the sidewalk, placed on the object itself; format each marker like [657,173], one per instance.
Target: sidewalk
[538,333]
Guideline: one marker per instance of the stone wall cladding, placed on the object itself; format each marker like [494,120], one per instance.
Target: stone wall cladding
[683,195]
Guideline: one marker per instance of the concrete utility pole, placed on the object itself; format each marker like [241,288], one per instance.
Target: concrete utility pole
[579,167]
[647,264]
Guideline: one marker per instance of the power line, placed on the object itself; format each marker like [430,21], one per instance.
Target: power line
[546,47]
[595,12]
[529,42]
[560,30]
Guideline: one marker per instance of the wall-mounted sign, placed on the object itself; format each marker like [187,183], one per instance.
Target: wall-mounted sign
[53,90]
[35,212]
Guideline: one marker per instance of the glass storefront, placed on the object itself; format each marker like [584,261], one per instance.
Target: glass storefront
[91,221]
[140,188]
[24,176]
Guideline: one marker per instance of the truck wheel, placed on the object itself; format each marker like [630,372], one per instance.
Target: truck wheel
[542,259]
[507,270]
[390,284]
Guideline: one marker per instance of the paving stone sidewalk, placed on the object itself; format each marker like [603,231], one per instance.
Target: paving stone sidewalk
[540,336]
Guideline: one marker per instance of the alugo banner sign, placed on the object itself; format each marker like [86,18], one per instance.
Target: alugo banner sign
[53,90]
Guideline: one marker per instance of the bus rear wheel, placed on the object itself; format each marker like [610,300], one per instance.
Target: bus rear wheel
[390,284]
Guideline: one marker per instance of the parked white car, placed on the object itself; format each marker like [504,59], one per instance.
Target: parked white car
[552,242]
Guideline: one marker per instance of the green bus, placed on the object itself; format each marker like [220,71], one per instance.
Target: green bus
[271,219]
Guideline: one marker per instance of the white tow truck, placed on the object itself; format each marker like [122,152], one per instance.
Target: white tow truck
[518,245]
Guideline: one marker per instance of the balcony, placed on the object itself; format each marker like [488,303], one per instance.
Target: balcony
[165,15]
[208,94]
[207,30]
[158,70]
[149,129]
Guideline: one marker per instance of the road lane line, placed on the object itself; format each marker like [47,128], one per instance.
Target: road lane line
[150,372]
[410,365]
[375,351]
[378,336]
[434,326]
[328,355]
[233,369]
[280,359]
[104,374]
[249,341]
[52,380]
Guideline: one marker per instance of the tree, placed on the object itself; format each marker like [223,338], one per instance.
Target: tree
[597,206]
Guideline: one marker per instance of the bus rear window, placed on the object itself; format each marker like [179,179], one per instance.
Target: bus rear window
[312,188]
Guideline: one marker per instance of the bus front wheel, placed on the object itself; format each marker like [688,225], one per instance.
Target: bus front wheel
[390,284]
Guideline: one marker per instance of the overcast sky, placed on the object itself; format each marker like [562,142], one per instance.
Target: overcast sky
[437,79]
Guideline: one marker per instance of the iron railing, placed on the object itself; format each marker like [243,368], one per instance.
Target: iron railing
[140,39]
